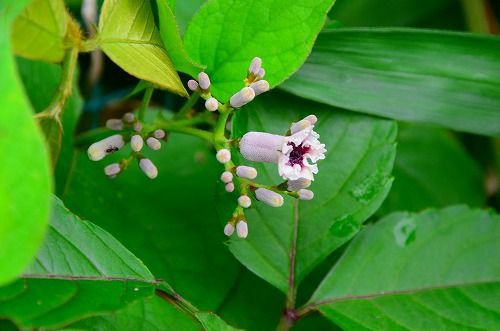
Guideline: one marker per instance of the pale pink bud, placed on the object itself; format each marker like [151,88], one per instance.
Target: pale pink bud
[138,127]
[193,85]
[226,177]
[229,187]
[311,118]
[204,80]
[153,143]
[136,143]
[255,66]
[112,170]
[269,197]
[305,194]
[211,104]
[228,229]
[97,151]
[246,172]
[261,146]
[114,124]
[148,168]
[223,155]
[260,87]
[159,134]
[261,73]
[129,117]
[242,229]
[244,201]
[242,97]
[303,124]
[295,185]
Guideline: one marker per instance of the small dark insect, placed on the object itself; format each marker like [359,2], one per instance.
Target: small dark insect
[111,149]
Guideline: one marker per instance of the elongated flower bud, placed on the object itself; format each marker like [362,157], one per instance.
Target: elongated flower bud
[260,87]
[193,85]
[223,155]
[229,187]
[97,151]
[295,185]
[226,177]
[269,197]
[242,97]
[246,172]
[211,104]
[242,229]
[153,143]
[129,117]
[305,194]
[159,134]
[255,66]
[228,229]
[138,127]
[261,73]
[204,80]
[148,168]
[114,124]
[311,118]
[112,170]
[136,143]
[244,201]
[261,146]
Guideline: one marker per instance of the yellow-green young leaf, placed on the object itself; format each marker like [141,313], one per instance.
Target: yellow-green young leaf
[39,31]
[128,35]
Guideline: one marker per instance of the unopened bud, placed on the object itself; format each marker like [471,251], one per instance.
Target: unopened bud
[112,170]
[129,117]
[261,146]
[223,155]
[229,187]
[138,127]
[305,194]
[148,168]
[244,201]
[311,118]
[204,80]
[261,73]
[114,124]
[242,229]
[295,185]
[255,66]
[212,104]
[246,172]
[226,177]
[299,126]
[193,85]
[159,134]
[97,151]
[269,197]
[136,143]
[260,87]
[242,97]
[228,229]
[153,143]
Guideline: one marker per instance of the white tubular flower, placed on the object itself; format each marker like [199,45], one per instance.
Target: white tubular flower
[261,146]
[148,168]
[305,194]
[295,185]
[242,229]
[129,117]
[246,172]
[112,170]
[269,197]
[204,81]
[260,87]
[223,155]
[226,177]
[229,187]
[97,151]
[244,201]
[255,66]
[153,143]
[244,96]
[228,229]
[114,124]
[211,104]
[193,85]
[136,143]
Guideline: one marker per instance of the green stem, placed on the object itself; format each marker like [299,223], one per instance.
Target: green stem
[479,16]
[145,102]
[220,140]
[206,135]
[186,108]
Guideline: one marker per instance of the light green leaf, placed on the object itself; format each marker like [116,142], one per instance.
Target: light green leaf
[78,264]
[444,78]
[25,181]
[128,35]
[352,182]
[226,34]
[212,322]
[39,31]
[436,270]
[174,45]
[184,11]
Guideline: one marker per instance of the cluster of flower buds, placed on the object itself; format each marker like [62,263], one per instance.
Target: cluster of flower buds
[133,134]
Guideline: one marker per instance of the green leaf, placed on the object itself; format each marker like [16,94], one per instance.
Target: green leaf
[184,11]
[212,322]
[136,46]
[25,181]
[39,31]
[352,182]
[174,45]
[78,264]
[169,223]
[432,169]
[226,34]
[438,269]
[444,78]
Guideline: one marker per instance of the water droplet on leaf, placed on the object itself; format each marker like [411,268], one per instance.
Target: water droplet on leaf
[365,191]
[405,232]
[344,226]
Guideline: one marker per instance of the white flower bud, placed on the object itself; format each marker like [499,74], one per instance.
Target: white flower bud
[112,170]
[242,97]
[261,146]
[242,229]
[97,151]
[223,155]
[229,187]
[211,104]
[193,85]
[129,117]
[260,87]
[153,143]
[228,229]
[114,124]
[244,201]
[305,194]
[311,118]
[255,66]
[159,134]
[246,172]
[295,185]
[138,127]
[261,73]
[226,177]
[269,197]
[204,80]
[148,168]
[136,143]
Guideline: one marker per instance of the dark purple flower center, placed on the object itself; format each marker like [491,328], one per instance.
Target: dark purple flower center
[297,154]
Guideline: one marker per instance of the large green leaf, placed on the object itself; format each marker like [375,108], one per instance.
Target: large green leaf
[170,223]
[39,31]
[436,270]
[78,264]
[450,79]
[184,11]
[226,34]
[128,35]
[352,182]
[432,169]
[25,181]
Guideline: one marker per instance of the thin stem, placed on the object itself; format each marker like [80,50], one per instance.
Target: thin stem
[145,102]
[206,135]
[186,108]
[220,140]
[479,16]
